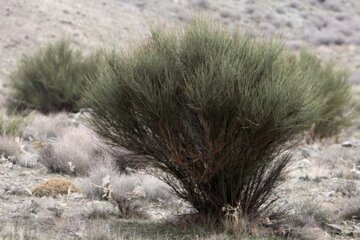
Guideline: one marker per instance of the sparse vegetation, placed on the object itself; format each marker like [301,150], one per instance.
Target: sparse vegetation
[214,110]
[52,79]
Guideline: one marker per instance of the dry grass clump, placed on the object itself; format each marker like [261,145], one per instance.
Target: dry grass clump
[156,190]
[55,187]
[12,231]
[9,146]
[137,185]
[12,150]
[73,153]
[105,183]
[350,209]
[308,214]
[121,184]
[28,160]
[46,127]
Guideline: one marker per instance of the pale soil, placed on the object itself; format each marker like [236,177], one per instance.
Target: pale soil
[315,183]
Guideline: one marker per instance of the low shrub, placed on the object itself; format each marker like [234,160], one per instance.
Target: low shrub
[12,125]
[9,147]
[55,187]
[74,153]
[351,209]
[338,109]
[52,79]
[212,109]
[43,128]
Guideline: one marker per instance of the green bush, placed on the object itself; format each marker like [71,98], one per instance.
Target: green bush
[338,109]
[12,125]
[212,109]
[52,79]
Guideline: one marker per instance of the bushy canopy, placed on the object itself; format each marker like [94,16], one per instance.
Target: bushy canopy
[52,79]
[211,108]
[338,107]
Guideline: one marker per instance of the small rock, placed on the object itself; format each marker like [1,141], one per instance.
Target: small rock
[56,211]
[346,144]
[139,192]
[17,191]
[355,234]
[334,228]
[305,153]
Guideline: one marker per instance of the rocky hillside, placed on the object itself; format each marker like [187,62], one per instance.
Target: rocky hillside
[334,24]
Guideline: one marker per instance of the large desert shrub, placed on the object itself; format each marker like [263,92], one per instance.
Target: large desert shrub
[338,109]
[52,78]
[212,109]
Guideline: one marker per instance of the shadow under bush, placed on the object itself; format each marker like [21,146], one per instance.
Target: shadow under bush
[52,79]
[213,109]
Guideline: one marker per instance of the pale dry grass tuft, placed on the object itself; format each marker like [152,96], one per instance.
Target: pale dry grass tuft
[9,146]
[45,127]
[350,209]
[74,153]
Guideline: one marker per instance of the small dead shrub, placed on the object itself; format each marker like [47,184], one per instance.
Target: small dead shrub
[308,215]
[46,127]
[103,175]
[55,187]
[350,209]
[28,160]
[9,146]
[97,213]
[74,153]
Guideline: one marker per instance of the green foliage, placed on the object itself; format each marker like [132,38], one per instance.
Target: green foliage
[338,107]
[52,79]
[12,125]
[212,109]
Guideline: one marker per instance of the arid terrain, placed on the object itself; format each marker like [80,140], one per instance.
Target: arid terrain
[321,190]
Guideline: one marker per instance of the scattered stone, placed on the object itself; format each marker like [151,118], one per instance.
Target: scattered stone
[305,153]
[346,144]
[17,191]
[56,211]
[347,190]
[334,228]
[28,207]
[355,234]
